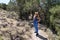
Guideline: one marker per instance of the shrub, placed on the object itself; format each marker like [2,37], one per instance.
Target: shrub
[55,18]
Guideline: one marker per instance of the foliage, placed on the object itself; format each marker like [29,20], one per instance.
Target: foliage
[27,6]
[55,12]
[0,38]
[3,6]
[12,6]
[55,18]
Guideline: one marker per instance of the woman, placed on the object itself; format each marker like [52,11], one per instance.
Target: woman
[36,19]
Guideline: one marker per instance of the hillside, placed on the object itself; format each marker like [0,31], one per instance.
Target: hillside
[12,29]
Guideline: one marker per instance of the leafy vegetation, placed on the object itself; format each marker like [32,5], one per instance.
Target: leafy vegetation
[51,11]
[0,38]
[55,18]
[3,6]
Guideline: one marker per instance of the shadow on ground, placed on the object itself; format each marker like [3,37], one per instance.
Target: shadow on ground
[41,37]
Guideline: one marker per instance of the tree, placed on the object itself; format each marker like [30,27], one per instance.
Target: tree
[27,6]
[12,6]
[55,17]
[3,6]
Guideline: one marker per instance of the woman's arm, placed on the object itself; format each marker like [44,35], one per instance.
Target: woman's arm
[34,17]
[38,18]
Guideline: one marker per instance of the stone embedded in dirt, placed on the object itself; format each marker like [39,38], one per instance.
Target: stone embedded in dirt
[4,25]
[22,24]
[18,24]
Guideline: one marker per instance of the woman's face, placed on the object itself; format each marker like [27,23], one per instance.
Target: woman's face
[36,13]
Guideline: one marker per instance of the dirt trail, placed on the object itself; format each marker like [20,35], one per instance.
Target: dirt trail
[42,35]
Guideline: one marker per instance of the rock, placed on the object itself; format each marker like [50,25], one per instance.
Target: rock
[0,33]
[22,24]
[18,24]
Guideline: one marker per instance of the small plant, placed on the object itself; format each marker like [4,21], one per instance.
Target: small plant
[0,38]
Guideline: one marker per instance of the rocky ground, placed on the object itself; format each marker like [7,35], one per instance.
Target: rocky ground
[12,29]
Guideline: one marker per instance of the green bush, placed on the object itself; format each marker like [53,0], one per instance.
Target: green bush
[55,18]
[0,38]
[3,6]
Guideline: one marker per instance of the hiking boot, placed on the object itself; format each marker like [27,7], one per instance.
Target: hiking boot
[37,34]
